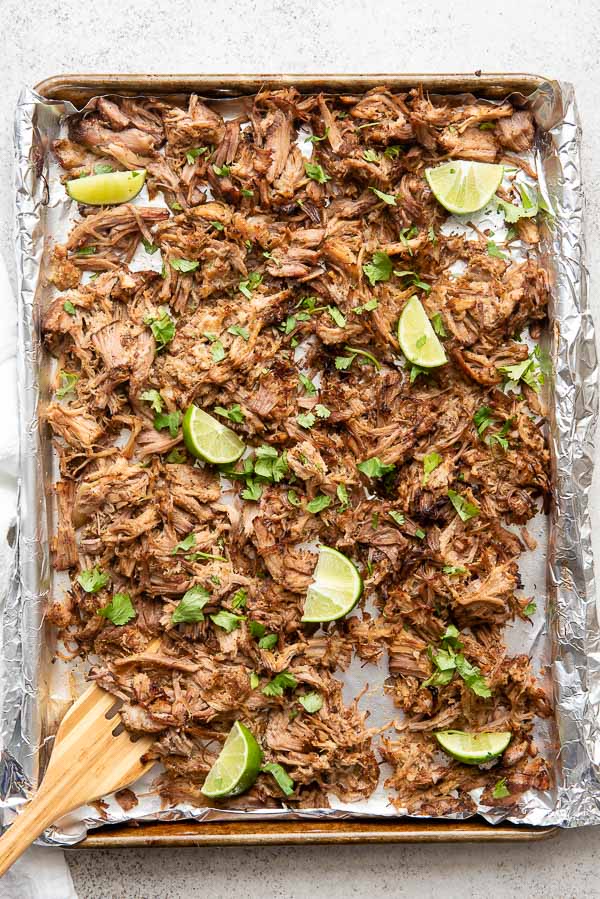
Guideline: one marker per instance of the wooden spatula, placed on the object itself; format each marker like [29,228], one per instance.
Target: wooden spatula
[93,755]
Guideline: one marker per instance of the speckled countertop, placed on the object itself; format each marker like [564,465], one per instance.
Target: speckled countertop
[561,39]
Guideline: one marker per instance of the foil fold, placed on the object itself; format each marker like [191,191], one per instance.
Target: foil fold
[566,643]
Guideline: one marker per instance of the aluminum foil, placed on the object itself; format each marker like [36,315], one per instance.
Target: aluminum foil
[564,642]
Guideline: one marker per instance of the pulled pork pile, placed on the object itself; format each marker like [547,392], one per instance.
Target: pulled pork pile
[276,309]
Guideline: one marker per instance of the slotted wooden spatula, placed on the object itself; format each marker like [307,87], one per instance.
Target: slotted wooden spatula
[93,755]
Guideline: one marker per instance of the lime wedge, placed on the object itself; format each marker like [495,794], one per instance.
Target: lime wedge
[104,190]
[335,589]
[208,439]
[473,749]
[463,187]
[237,765]
[418,341]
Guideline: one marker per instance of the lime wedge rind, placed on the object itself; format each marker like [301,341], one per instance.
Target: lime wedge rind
[473,748]
[209,439]
[418,341]
[335,590]
[108,189]
[464,187]
[237,765]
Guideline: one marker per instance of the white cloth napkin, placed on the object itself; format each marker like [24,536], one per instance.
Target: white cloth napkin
[40,873]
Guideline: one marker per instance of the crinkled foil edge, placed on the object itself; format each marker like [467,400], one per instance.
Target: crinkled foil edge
[572,612]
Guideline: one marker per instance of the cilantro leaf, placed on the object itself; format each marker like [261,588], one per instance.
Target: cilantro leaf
[162,327]
[398,517]
[185,545]
[227,620]
[249,284]
[269,641]
[217,351]
[322,411]
[500,790]
[371,156]
[464,507]
[85,251]
[149,247]
[92,580]
[170,420]
[483,418]
[119,610]
[314,138]
[103,169]
[430,463]
[256,628]
[239,599]
[438,325]
[454,569]
[189,608]
[374,468]
[472,677]
[390,199]
[69,307]
[527,371]
[235,413]
[252,491]
[282,681]
[318,504]
[342,495]
[184,265]
[154,398]
[493,250]
[379,269]
[254,680]
[194,152]
[316,172]
[284,781]
[221,170]
[176,456]
[311,702]
[307,384]
[530,608]
[238,331]
[306,419]
[337,316]
[67,383]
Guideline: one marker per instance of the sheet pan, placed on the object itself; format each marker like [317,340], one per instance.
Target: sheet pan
[567,636]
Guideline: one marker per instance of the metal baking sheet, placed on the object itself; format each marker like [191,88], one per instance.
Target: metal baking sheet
[565,633]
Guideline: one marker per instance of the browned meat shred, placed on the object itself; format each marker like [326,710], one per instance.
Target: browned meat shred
[261,284]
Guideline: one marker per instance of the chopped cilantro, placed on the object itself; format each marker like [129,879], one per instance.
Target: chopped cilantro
[379,269]
[189,608]
[374,468]
[92,580]
[282,681]
[193,154]
[390,199]
[306,419]
[69,307]
[463,506]
[238,331]
[184,265]
[500,790]
[311,702]
[492,250]
[316,172]
[170,420]
[337,316]
[154,398]
[398,517]
[318,504]
[227,620]
[342,495]
[119,610]
[249,284]
[284,781]
[162,327]
[67,383]
[233,414]
[430,463]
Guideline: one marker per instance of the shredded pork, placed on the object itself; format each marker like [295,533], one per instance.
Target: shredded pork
[273,320]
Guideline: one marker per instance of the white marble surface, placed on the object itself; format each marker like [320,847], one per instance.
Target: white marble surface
[558,38]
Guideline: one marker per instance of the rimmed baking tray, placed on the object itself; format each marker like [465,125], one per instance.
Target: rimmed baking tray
[78,89]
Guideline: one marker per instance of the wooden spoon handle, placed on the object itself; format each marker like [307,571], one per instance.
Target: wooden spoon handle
[43,810]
